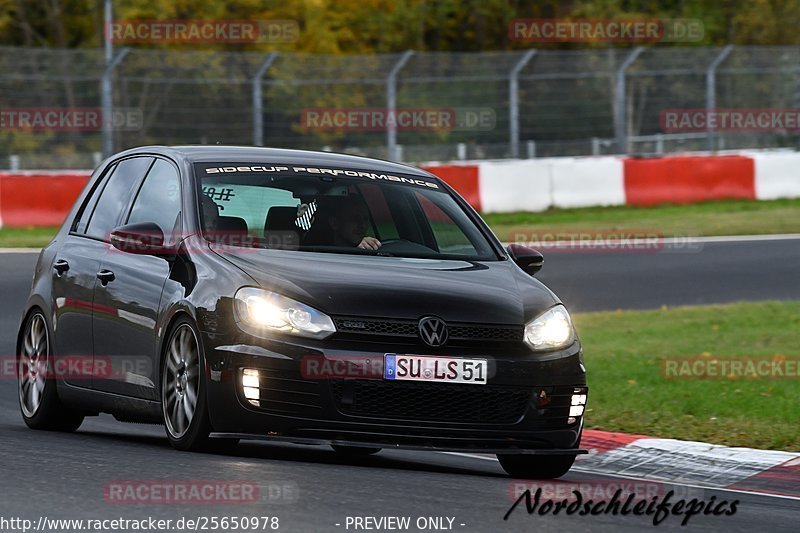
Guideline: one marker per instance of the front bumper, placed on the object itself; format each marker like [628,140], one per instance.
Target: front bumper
[524,407]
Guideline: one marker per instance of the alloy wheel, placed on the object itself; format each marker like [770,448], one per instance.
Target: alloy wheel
[181,381]
[32,365]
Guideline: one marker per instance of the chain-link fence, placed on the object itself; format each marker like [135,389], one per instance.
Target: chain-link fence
[538,102]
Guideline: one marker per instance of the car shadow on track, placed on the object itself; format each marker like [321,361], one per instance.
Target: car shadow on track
[323,455]
[425,461]
[90,438]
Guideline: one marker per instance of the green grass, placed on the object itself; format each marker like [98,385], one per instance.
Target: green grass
[710,218]
[26,237]
[623,350]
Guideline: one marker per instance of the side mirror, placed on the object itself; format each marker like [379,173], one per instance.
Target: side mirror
[143,238]
[527,259]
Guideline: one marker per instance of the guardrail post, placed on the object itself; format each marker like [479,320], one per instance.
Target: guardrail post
[619,100]
[513,102]
[531,149]
[258,104]
[391,105]
[711,93]
[107,101]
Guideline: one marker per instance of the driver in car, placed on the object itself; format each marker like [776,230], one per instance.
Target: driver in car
[349,222]
[210,213]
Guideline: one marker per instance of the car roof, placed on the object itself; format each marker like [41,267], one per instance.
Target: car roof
[252,154]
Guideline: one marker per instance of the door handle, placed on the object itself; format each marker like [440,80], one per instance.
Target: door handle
[61,266]
[105,276]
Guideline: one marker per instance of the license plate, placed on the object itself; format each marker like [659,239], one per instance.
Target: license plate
[442,369]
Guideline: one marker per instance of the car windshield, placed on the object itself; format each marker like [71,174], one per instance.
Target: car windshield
[335,211]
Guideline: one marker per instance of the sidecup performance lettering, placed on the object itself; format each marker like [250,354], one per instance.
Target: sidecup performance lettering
[317,170]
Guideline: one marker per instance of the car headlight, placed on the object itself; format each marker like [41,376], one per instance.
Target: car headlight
[263,311]
[550,330]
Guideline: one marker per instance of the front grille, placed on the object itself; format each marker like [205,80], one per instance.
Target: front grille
[487,333]
[459,332]
[446,402]
[365,326]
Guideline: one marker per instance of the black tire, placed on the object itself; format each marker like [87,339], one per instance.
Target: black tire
[536,466]
[193,433]
[36,382]
[354,451]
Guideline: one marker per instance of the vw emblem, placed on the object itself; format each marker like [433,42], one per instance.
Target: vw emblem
[433,331]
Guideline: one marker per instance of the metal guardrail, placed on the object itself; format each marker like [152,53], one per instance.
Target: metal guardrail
[545,102]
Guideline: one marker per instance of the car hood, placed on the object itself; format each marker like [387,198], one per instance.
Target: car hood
[495,292]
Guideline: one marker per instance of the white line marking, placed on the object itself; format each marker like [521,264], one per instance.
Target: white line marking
[20,250]
[633,478]
[739,238]
[682,240]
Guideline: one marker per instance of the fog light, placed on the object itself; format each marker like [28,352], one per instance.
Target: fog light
[578,399]
[250,378]
[250,384]
[577,403]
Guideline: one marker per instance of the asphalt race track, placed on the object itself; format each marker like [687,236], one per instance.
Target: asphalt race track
[312,489]
[708,272]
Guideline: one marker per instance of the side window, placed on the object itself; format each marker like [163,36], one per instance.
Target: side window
[82,220]
[159,199]
[115,195]
[449,237]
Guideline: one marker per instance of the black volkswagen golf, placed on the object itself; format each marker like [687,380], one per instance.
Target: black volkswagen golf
[247,293]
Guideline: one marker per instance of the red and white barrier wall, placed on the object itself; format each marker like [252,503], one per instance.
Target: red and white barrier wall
[38,198]
[44,198]
[537,184]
